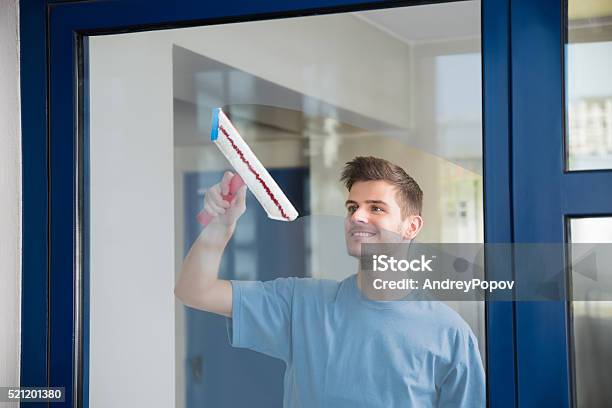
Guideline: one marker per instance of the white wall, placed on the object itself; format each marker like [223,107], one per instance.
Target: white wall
[132,230]
[10,196]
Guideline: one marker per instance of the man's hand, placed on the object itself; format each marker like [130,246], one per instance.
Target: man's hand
[225,213]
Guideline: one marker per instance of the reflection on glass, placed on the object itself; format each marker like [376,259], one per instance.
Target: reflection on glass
[307,94]
[589,85]
[592,321]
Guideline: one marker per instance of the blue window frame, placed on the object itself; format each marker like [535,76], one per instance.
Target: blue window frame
[527,192]
[545,195]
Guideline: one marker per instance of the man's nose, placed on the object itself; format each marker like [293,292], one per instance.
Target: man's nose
[360,216]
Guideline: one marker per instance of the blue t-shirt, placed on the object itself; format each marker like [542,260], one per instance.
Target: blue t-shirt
[344,350]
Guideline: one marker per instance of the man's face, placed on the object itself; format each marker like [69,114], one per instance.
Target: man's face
[373,215]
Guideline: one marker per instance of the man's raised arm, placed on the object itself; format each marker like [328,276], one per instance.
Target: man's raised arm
[199,285]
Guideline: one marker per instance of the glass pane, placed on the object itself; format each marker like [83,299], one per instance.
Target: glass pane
[592,319]
[307,95]
[589,85]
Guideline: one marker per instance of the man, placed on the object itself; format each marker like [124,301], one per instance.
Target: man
[342,349]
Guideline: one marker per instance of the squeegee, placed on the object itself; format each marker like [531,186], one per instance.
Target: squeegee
[249,171]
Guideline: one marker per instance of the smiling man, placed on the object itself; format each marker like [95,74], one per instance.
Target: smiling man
[342,349]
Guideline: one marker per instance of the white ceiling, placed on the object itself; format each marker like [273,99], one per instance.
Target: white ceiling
[455,20]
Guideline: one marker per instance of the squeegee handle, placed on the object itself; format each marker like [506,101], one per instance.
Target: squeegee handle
[204,218]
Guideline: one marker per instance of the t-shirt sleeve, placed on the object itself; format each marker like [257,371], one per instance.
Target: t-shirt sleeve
[464,384]
[261,316]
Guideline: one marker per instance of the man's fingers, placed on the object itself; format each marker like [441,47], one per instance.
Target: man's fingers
[225,182]
[213,201]
[213,209]
[215,205]
[215,196]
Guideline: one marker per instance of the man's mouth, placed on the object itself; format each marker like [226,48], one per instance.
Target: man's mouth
[363,234]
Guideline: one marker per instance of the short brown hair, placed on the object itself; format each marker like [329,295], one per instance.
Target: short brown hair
[362,168]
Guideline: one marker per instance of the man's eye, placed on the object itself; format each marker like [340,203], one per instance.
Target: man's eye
[351,209]
[377,209]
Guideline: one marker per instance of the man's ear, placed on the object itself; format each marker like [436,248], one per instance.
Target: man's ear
[413,225]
